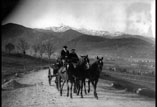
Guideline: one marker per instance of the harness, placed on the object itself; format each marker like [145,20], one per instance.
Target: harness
[64,68]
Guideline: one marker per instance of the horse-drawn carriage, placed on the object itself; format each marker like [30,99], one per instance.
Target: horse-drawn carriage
[74,75]
[52,72]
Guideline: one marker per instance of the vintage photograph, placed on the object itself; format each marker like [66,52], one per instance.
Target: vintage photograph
[78,53]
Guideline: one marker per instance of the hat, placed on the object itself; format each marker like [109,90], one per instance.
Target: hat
[72,49]
[64,46]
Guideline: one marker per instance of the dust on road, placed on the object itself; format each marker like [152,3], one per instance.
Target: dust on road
[37,93]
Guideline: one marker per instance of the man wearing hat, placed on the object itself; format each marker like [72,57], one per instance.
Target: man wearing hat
[64,53]
[73,56]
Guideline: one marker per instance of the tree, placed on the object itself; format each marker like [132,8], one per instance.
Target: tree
[22,45]
[41,49]
[36,48]
[49,48]
[9,47]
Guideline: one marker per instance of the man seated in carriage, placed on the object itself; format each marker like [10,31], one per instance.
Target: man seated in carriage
[64,54]
[73,57]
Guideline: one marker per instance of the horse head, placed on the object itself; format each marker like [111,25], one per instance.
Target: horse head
[100,62]
[67,64]
[85,61]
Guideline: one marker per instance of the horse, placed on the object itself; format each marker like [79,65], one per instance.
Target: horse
[94,74]
[65,73]
[80,75]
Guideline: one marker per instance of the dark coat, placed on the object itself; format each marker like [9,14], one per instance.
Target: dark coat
[64,54]
[73,57]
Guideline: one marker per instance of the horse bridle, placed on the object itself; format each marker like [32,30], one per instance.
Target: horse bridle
[100,63]
[86,61]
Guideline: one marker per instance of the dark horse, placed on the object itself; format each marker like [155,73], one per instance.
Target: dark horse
[80,74]
[66,74]
[94,74]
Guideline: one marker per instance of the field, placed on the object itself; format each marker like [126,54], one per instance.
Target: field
[18,64]
[130,66]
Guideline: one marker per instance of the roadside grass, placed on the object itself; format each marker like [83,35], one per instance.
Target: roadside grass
[13,64]
[143,81]
[132,82]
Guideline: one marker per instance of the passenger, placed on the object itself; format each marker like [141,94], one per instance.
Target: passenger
[73,57]
[64,54]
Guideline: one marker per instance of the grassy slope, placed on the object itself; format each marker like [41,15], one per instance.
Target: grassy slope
[132,86]
[138,80]
[124,47]
[17,63]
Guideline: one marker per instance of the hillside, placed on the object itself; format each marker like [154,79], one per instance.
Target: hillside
[124,45]
[13,31]
[18,63]
[32,36]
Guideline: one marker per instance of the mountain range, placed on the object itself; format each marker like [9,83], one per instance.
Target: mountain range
[85,41]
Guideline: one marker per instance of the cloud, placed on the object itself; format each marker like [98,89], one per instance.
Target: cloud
[139,19]
[153,17]
[131,16]
[139,23]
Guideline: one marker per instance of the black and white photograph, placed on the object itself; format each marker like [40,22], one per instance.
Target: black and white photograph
[78,53]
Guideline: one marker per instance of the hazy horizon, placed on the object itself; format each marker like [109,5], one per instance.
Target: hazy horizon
[133,17]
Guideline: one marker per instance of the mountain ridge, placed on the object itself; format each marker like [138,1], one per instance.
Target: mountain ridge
[124,45]
[62,29]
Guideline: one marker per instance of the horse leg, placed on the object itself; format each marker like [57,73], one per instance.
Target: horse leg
[61,89]
[81,87]
[67,88]
[95,89]
[75,86]
[84,82]
[78,87]
[88,86]
[59,82]
[71,89]
[94,83]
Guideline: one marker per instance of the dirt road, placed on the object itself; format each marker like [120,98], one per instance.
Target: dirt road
[35,92]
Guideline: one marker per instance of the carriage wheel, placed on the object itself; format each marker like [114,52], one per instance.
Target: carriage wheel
[49,80]
[49,77]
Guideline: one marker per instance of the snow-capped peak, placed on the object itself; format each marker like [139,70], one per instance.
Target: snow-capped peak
[61,28]
[64,28]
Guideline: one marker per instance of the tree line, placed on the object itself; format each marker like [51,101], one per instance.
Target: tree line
[46,47]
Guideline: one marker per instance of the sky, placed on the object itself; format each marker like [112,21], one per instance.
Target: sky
[128,16]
